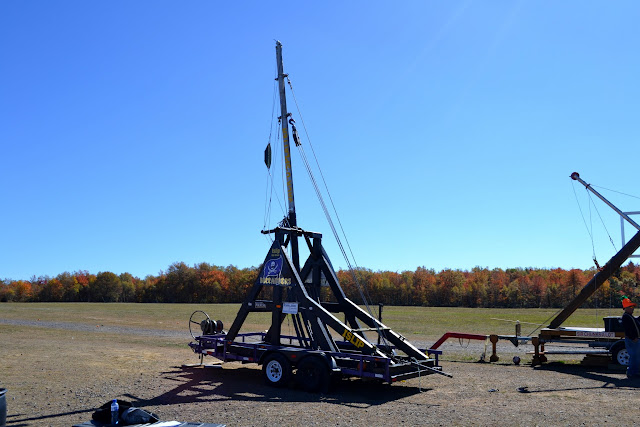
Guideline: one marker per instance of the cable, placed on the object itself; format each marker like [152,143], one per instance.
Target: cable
[583,219]
[269,186]
[270,196]
[614,191]
[602,221]
[320,169]
[545,322]
[269,192]
[415,362]
[596,299]
[361,289]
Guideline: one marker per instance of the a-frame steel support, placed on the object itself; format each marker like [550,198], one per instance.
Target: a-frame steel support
[313,319]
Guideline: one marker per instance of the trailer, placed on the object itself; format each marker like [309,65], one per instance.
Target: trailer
[311,298]
[608,340]
[312,368]
[323,347]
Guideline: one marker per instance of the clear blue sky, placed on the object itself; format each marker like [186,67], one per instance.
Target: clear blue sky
[132,133]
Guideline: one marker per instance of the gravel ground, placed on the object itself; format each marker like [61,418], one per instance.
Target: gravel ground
[50,384]
[82,327]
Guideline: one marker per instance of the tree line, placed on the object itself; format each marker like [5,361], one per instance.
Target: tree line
[206,283]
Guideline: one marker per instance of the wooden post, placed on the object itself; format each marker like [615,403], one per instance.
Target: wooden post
[536,351]
[287,155]
[494,357]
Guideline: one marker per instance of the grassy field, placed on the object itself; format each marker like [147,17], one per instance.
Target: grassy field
[419,322]
[58,376]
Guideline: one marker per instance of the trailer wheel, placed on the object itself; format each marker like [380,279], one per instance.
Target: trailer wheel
[620,355]
[276,370]
[313,375]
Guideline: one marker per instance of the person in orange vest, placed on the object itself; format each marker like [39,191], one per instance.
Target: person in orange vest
[631,337]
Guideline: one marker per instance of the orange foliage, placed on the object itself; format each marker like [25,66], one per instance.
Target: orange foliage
[205,283]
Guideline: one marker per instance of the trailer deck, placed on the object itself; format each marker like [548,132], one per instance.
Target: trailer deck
[610,339]
[252,348]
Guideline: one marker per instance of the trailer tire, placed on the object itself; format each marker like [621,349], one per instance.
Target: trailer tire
[276,370]
[313,375]
[620,355]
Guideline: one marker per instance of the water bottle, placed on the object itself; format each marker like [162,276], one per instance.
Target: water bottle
[114,412]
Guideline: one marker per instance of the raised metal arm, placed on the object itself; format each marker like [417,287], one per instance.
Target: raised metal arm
[605,272]
[576,177]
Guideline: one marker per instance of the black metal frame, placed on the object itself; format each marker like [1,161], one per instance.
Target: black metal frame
[314,320]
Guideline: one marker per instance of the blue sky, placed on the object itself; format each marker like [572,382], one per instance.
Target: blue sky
[132,133]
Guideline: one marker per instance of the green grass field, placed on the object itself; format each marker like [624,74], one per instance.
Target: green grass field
[59,376]
[413,322]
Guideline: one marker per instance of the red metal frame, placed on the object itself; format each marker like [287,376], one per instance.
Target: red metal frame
[457,335]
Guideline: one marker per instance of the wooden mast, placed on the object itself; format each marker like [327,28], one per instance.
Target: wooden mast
[284,118]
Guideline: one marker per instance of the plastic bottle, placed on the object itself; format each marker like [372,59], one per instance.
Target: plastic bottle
[114,412]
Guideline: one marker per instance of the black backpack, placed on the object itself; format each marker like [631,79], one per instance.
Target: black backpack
[128,414]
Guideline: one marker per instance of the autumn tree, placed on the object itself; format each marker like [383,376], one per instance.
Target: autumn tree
[16,291]
[213,283]
[128,288]
[208,283]
[240,281]
[451,288]
[105,288]
[52,290]
[424,286]
[478,287]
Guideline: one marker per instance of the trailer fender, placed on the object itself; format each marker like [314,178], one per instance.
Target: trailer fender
[296,356]
[266,354]
[328,360]
[292,356]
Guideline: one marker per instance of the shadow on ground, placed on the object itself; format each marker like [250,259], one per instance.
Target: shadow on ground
[199,384]
[210,385]
[604,376]
[21,420]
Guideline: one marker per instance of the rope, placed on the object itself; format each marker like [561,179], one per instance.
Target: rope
[597,299]
[545,322]
[269,191]
[602,221]
[361,289]
[614,191]
[611,304]
[269,186]
[596,302]
[320,170]
[309,170]
[461,341]
[270,196]
[415,362]
[589,231]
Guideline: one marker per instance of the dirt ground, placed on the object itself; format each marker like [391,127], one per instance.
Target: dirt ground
[55,384]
